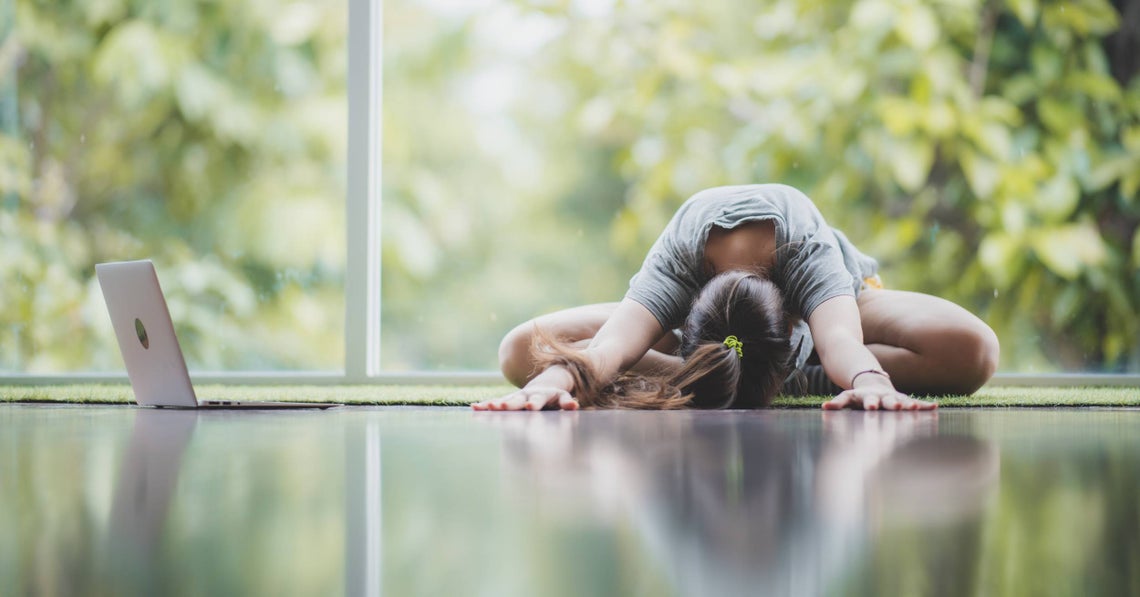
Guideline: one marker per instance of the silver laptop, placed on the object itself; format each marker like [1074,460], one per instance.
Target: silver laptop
[150,349]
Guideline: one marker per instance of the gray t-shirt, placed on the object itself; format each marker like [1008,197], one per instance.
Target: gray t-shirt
[814,262]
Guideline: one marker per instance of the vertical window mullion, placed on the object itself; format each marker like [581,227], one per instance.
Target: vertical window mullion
[362,266]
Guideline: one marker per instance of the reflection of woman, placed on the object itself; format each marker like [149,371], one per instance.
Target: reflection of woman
[757,505]
[759,286]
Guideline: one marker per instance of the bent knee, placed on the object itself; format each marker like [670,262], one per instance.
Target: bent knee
[989,350]
[973,351]
[514,355]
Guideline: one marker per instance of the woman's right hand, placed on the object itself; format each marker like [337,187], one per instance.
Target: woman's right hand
[548,390]
[531,397]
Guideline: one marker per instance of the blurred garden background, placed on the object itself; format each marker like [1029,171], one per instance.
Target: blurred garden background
[984,151]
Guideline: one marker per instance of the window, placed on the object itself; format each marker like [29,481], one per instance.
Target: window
[531,152]
[209,137]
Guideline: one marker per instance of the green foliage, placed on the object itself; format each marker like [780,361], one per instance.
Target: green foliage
[985,152]
[207,136]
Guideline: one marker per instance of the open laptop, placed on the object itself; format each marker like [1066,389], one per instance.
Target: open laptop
[150,349]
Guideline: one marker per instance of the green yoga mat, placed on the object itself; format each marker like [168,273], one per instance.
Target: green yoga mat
[465,395]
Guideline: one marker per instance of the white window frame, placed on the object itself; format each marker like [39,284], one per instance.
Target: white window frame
[362,259]
[362,203]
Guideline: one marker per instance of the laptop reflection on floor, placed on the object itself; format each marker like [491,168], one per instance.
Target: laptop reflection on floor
[150,349]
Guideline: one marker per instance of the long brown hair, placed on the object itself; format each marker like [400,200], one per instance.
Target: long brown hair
[713,375]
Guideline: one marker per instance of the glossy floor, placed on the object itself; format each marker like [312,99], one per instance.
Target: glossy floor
[434,501]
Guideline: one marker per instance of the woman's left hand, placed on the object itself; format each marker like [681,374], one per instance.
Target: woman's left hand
[877,398]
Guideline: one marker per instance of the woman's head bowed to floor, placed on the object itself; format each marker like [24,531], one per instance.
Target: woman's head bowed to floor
[735,345]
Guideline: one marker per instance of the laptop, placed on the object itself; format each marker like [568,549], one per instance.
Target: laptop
[149,347]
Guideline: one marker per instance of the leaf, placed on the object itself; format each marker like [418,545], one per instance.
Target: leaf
[1095,59]
[849,85]
[100,12]
[1101,17]
[1061,117]
[1001,110]
[917,26]
[1026,11]
[1094,85]
[872,14]
[1020,88]
[1057,257]
[130,59]
[1000,256]
[900,116]
[1046,61]
[1129,185]
[982,174]
[940,120]
[294,23]
[199,92]
[1096,17]
[1014,217]
[1108,172]
[996,140]
[941,69]
[1065,250]
[1019,182]
[910,163]
[1057,198]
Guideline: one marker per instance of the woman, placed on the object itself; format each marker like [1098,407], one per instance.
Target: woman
[761,288]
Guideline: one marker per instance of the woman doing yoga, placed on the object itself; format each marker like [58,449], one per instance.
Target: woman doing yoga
[749,293]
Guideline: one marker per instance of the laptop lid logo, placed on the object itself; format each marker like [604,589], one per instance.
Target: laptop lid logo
[141,331]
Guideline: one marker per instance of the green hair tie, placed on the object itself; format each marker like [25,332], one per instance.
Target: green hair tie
[734,343]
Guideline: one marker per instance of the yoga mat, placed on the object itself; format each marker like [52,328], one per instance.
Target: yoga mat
[440,395]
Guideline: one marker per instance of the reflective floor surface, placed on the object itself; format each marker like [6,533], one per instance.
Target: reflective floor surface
[434,501]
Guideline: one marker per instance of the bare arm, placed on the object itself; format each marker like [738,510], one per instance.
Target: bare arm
[619,344]
[623,339]
[837,332]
